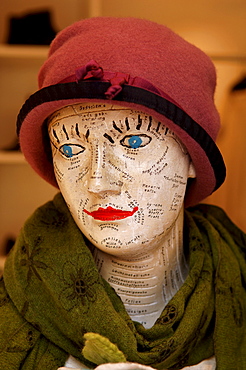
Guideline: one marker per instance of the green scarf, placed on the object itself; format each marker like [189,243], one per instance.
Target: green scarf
[52,295]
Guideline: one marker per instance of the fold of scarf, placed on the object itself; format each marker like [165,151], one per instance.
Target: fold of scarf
[52,295]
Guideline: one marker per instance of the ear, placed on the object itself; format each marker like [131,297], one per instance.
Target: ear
[192,171]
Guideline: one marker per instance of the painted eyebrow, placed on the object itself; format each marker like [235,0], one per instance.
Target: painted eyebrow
[158,126]
[55,136]
[109,138]
[127,124]
[139,123]
[150,123]
[116,127]
[65,132]
[87,134]
[77,129]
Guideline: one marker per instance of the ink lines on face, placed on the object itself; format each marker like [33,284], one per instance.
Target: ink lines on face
[133,141]
[111,133]
[116,169]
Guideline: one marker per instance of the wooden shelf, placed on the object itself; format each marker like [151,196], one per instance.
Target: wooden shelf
[11,157]
[23,51]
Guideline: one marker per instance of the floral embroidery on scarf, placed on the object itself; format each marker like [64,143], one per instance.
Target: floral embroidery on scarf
[196,244]
[28,340]
[168,316]
[54,218]
[80,286]
[29,260]
[182,361]
[166,348]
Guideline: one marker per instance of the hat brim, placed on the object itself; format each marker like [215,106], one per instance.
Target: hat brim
[205,155]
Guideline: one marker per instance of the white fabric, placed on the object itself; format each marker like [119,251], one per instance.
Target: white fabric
[209,364]
[72,363]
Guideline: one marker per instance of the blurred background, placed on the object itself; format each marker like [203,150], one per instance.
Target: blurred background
[218,27]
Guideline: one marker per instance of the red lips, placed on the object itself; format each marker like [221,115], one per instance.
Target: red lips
[110,213]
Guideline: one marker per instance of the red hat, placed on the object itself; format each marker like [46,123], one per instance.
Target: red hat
[138,64]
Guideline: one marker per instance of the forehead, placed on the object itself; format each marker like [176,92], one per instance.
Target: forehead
[87,112]
[82,118]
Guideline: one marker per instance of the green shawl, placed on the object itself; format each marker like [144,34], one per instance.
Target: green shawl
[52,294]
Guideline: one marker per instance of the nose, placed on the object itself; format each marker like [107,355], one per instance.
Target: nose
[102,180]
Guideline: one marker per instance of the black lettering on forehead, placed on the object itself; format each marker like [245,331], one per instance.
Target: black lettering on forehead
[166,131]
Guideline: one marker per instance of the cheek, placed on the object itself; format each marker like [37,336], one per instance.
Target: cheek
[163,192]
[70,171]
[59,172]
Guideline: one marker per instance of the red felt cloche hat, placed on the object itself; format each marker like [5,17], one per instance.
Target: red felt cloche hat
[136,63]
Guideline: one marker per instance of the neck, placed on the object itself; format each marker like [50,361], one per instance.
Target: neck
[146,284]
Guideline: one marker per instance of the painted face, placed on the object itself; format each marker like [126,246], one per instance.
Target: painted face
[122,174]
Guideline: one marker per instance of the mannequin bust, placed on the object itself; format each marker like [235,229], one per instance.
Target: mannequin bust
[123,176]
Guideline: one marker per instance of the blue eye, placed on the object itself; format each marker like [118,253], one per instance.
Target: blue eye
[70,150]
[135,141]
[67,150]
